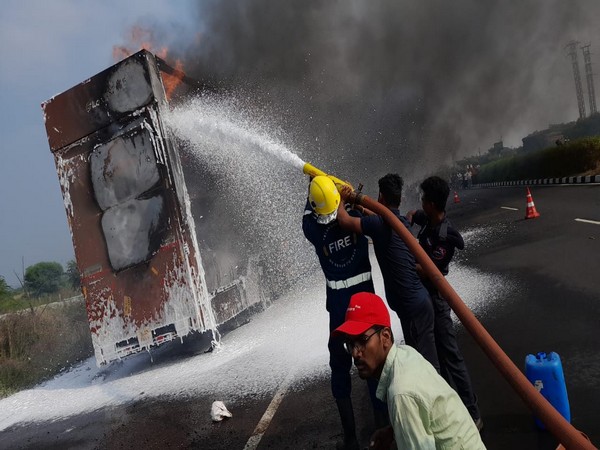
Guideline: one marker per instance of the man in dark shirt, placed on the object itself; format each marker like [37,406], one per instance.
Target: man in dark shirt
[404,291]
[439,240]
[344,259]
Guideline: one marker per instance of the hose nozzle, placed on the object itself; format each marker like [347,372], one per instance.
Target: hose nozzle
[311,170]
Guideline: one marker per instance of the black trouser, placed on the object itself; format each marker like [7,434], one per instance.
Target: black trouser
[452,363]
[340,361]
[417,320]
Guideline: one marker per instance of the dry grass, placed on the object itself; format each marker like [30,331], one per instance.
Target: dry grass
[36,345]
[18,301]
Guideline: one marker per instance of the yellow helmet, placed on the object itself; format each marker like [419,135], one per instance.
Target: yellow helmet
[324,198]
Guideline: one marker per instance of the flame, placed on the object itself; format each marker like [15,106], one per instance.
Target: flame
[172,80]
[142,38]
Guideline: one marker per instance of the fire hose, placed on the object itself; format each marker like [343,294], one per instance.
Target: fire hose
[566,433]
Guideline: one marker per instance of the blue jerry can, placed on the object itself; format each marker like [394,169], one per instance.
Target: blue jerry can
[545,372]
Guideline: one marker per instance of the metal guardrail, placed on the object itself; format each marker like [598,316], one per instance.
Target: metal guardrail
[587,179]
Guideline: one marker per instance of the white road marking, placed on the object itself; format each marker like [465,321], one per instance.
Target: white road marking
[508,207]
[595,222]
[265,420]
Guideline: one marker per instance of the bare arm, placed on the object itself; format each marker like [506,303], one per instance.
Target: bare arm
[346,220]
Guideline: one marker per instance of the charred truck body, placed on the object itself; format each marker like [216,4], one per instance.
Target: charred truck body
[128,210]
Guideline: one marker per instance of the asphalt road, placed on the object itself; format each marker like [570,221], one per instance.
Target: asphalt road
[553,264]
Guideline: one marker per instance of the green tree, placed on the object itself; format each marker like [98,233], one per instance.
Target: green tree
[44,278]
[4,288]
[72,273]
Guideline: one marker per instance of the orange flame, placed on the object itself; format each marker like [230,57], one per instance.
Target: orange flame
[142,38]
[172,80]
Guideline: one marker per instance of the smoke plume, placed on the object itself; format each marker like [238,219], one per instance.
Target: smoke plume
[362,88]
[408,84]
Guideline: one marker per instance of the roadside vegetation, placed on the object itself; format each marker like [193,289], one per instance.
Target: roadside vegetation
[41,334]
[562,150]
[580,157]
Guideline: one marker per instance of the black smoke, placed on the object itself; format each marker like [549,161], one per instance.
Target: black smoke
[362,88]
[408,85]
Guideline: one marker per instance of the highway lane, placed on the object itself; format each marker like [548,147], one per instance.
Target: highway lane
[555,262]
[552,265]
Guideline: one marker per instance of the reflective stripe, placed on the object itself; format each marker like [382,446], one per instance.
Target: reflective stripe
[352,281]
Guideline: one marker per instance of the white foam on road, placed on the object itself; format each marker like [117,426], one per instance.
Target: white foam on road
[480,291]
[253,360]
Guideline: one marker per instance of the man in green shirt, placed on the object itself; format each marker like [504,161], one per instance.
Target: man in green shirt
[425,412]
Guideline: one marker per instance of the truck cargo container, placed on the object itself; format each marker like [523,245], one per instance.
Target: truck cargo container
[129,212]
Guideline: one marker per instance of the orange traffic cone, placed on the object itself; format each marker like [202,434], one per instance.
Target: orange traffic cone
[531,211]
[456,199]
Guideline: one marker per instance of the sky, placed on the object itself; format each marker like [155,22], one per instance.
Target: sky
[48,47]
[409,84]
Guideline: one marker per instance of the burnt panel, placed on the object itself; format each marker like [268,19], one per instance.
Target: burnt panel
[123,168]
[134,230]
[91,105]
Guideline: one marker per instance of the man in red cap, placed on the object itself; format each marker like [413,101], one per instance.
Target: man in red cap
[425,412]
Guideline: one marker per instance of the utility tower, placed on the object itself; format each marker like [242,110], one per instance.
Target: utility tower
[589,77]
[578,88]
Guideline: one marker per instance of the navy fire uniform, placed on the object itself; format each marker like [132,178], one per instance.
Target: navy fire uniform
[404,290]
[439,242]
[344,259]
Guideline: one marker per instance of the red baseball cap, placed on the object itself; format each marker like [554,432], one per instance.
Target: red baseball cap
[364,311]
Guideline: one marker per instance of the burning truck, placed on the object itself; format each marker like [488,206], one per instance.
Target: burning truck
[129,214]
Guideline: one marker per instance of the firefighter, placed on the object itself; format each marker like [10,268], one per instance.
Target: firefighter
[344,259]
[440,239]
[404,290]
